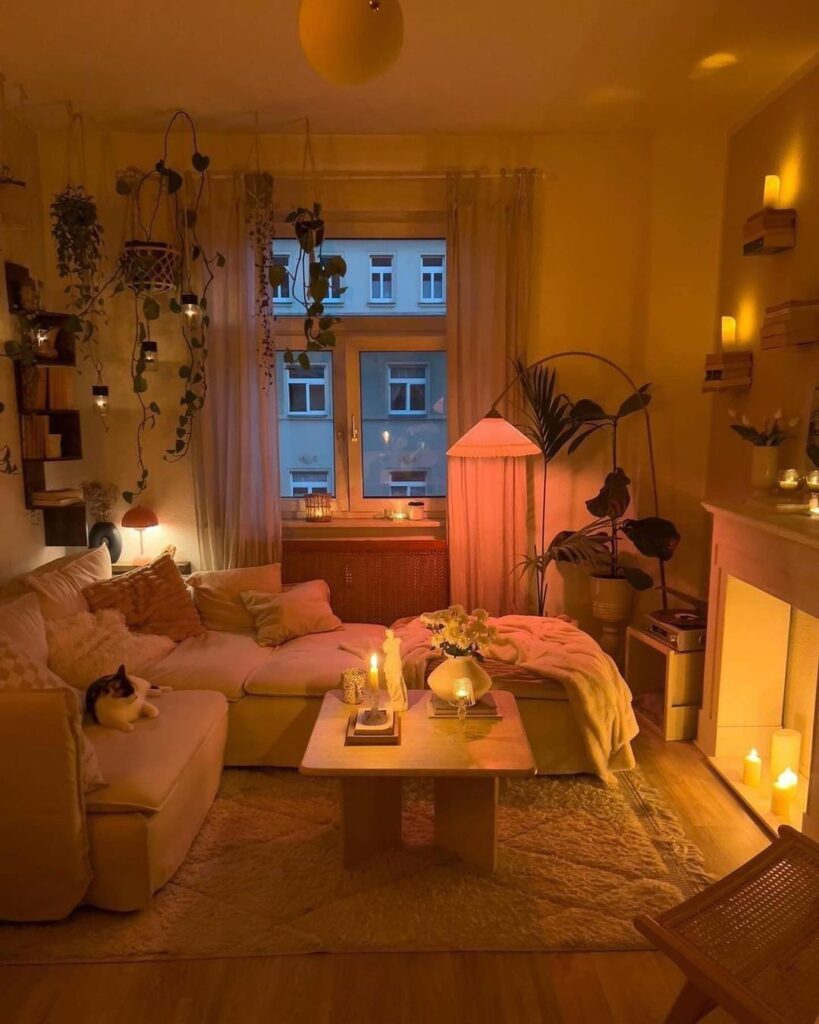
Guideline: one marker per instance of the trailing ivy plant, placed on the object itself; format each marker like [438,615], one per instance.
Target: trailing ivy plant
[310,282]
[261,228]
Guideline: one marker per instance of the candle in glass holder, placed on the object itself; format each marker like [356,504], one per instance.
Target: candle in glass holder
[463,691]
[783,792]
[752,768]
[813,507]
[789,480]
[812,480]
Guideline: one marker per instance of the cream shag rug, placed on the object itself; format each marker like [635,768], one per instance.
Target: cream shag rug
[577,861]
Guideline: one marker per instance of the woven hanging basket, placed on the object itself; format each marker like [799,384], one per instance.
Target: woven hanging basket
[150,266]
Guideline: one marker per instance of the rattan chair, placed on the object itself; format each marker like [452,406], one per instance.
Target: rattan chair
[750,942]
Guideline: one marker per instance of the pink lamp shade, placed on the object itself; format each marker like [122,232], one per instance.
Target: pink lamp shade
[493,437]
[140,518]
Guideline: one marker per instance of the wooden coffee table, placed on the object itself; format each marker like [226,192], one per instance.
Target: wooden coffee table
[466,764]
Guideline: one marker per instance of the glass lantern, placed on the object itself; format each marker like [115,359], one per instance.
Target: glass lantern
[99,395]
[149,351]
[190,305]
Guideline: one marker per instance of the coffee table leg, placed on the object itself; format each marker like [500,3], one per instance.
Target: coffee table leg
[370,817]
[466,819]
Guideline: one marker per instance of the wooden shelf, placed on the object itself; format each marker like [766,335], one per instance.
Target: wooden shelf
[768,232]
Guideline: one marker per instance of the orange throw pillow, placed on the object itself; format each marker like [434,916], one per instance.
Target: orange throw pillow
[153,599]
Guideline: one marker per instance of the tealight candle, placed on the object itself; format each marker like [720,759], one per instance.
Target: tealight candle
[784,790]
[812,480]
[462,690]
[752,768]
[789,480]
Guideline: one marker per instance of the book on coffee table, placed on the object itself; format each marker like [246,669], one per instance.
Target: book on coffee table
[360,734]
[486,707]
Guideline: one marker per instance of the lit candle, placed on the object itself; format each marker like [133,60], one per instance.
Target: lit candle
[813,508]
[789,480]
[784,790]
[99,394]
[729,330]
[786,749]
[770,191]
[752,768]
[812,480]
[373,677]
[463,691]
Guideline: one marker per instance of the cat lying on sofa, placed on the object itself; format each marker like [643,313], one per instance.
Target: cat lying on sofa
[118,700]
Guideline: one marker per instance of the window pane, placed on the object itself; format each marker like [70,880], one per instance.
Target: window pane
[306,431]
[387,286]
[403,456]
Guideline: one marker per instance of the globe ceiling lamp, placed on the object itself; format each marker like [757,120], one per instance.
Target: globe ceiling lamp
[351,41]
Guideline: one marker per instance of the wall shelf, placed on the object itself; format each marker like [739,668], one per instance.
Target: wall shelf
[769,232]
[728,371]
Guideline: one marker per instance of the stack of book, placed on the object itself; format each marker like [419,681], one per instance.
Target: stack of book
[35,432]
[368,729]
[725,371]
[791,323]
[769,231]
[56,499]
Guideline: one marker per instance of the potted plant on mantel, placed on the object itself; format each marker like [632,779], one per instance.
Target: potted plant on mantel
[766,441]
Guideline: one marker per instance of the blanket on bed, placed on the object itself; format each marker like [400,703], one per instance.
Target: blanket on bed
[552,649]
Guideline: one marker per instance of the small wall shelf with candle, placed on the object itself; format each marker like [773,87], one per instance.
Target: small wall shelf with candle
[728,371]
[773,229]
[795,322]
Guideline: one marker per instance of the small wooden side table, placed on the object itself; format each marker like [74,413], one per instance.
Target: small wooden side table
[666,684]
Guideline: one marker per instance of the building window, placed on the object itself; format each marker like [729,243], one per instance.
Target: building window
[381,279]
[432,279]
[408,483]
[281,293]
[407,385]
[307,391]
[336,292]
[312,481]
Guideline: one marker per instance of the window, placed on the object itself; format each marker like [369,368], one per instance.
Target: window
[281,293]
[407,385]
[307,391]
[381,279]
[408,483]
[303,482]
[336,284]
[432,279]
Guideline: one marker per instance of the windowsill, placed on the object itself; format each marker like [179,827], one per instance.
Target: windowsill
[381,303]
[364,528]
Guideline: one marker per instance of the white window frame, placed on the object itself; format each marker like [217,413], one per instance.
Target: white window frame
[333,300]
[307,383]
[310,485]
[407,381]
[414,488]
[432,256]
[381,271]
[282,259]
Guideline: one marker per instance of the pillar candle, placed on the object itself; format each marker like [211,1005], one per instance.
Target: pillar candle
[728,330]
[373,677]
[786,746]
[770,190]
[783,792]
[752,769]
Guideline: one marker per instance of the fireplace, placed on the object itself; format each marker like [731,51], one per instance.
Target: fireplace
[762,660]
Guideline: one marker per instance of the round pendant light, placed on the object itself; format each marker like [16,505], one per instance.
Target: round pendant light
[350,41]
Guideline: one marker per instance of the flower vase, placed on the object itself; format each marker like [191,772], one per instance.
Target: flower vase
[106,533]
[764,464]
[442,679]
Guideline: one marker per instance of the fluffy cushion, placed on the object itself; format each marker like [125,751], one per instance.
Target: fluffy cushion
[303,609]
[22,622]
[216,593]
[153,599]
[20,672]
[61,592]
[83,647]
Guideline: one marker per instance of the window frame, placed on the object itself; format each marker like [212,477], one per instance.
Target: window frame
[332,300]
[300,497]
[407,382]
[391,256]
[432,302]
[276,300]
[307,383]
[409,484]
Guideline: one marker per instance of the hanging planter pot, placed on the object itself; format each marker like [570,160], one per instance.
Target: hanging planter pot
[150,266]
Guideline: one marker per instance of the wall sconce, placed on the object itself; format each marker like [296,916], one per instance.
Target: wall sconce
[149,353]
[728,330]
[99,395]
[190,304]
[770,191]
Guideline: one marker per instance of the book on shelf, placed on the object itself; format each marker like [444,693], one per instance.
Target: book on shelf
[57,498]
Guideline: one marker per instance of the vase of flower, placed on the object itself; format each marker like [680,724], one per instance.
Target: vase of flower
[764,465]
[462,637]
[766,440]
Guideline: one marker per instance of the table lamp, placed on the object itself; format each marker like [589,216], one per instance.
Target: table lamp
[140,519]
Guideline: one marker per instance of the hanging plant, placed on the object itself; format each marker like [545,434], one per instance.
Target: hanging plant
[310,282]
[8,467]
[261,230]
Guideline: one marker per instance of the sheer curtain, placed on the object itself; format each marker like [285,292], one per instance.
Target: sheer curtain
[490,266]
[236,455]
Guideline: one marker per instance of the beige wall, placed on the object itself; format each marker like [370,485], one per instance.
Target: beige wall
[781,139]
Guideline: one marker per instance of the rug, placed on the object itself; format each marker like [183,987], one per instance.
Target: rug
[577,860]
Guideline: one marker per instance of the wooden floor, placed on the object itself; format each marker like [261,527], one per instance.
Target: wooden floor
[450,988]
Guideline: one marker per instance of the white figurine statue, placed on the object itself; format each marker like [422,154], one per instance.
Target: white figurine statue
[393,672]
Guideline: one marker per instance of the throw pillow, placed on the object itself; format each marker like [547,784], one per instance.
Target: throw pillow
[22,622]
[84,647]
[20,672]
[303,609]
[153,599]
[217,594]
[60,593]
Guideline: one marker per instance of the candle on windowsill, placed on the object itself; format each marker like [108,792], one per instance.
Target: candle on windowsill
[770,190]
[752,768]
[728,330]
[783,792]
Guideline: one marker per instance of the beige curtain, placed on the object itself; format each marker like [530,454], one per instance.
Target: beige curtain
[236,455]
[490,268]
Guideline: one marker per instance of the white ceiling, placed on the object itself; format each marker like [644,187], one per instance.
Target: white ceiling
[467,65]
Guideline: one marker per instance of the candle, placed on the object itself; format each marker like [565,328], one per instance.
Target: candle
[812,480]
[373,678]
[729,330]
[770,190]
[813,508]
[784,790]
[789,480]
[786,748]
[462,691]
[752,768]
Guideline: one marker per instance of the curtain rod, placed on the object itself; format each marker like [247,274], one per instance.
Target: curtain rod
[371,175]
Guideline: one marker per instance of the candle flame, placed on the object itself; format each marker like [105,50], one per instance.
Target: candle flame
[753,755]
[787,779]
[373,660]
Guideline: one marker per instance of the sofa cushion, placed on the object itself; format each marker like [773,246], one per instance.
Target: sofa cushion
[142,767]
[298,611]
[22,622]
[61,592]
[216,593]
[311,665]
[211,661]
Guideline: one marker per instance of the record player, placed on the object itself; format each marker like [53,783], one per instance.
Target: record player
[682,629]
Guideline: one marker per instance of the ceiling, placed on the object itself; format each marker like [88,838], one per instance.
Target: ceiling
[467,65]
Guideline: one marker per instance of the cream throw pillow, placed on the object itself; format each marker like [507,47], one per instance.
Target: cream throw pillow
[303,609]
[22,622]
[20,672]
[217,594]
[61,592]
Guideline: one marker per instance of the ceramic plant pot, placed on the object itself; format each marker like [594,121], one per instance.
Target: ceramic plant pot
[612,599]
[442,679]
[106,533]
[764,466]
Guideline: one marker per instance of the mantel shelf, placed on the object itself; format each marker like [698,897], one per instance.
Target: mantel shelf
[793,526]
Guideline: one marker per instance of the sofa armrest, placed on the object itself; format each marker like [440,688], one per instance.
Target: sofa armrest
[44,864]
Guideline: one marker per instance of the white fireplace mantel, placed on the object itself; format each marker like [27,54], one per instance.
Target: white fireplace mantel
[763,565]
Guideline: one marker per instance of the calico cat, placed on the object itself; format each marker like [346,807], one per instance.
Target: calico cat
[118,700]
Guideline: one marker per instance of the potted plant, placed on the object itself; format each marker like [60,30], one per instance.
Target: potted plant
[766,441]
[100,498]
[462,637]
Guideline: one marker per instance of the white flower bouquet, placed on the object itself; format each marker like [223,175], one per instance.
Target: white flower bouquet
[459,633]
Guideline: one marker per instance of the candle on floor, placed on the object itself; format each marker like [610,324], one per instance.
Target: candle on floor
[784,790]
[786,749]
[752,768]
